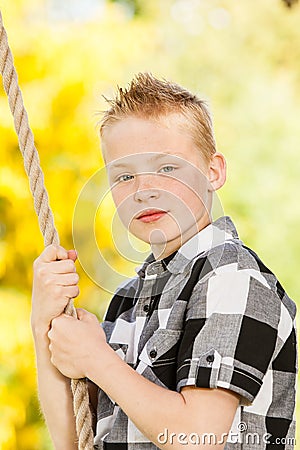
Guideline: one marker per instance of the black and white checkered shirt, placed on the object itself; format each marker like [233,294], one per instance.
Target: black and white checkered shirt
[211,315]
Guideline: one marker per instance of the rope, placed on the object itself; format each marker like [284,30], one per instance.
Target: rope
[45,216]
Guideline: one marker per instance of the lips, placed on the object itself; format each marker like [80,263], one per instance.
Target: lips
[151,215]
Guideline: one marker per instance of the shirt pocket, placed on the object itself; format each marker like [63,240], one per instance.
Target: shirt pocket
[158,359]
[161,348]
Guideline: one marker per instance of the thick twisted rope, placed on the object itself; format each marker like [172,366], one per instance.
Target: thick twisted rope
[44,213]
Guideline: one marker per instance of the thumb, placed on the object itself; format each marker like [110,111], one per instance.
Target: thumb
[72,254]
[81,313]
[84,315]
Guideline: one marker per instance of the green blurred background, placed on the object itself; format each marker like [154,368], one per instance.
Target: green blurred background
[243,57]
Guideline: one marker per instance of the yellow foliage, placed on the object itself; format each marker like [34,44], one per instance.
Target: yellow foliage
[17,366]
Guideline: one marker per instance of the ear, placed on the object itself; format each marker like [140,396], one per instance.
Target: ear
[217,171]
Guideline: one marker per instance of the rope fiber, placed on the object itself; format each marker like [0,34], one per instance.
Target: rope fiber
[45,216]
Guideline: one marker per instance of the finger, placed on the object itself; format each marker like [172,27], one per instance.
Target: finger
[72,254]
[58,323]
[70,291]
[65,266]
[81,313]
[53,252]
[66,279]
[50,333]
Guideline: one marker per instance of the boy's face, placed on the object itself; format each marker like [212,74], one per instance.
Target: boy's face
[159,180]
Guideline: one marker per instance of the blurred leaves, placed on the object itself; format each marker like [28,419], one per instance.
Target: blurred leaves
[244,59]
[290,3]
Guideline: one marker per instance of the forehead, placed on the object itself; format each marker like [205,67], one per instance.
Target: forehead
[135,135]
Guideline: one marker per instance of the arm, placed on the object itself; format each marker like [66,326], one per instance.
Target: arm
[79,349]
[155,409]
[54,283]
[55,397]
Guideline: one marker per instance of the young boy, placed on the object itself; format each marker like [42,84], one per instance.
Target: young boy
[199,347]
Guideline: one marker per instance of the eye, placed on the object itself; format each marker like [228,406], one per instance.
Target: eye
[125,177]
[167,169]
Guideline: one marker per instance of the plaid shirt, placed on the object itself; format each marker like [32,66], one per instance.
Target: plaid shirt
[210,315]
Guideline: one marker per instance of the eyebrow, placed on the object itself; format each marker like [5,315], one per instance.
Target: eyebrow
[117,165]
[168,153]
[154,157]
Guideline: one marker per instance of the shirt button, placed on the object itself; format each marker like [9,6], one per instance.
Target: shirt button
[146,308]
[210,358]
[153,353]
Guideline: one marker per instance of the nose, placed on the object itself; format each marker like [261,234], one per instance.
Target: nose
[147,188]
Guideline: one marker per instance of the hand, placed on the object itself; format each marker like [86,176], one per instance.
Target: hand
[76,343]
[54,283]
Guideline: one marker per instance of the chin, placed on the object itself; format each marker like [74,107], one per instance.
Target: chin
[160,239]
[161,235]
[155,238]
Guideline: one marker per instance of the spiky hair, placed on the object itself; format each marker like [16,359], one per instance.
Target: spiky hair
[150,97]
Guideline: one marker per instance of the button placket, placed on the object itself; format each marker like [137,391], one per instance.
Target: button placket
[146,308]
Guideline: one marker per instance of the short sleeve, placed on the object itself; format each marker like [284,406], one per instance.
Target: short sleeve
[230,333]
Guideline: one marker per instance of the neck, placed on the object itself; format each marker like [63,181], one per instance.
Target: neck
[164,249]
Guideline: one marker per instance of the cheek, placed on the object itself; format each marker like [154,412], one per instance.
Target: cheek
[120,194]
[188,192]
[123,199]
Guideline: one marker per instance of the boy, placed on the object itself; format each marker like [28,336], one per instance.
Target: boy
[200,345]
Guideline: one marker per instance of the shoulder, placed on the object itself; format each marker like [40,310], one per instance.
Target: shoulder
[233,277]
[233,257]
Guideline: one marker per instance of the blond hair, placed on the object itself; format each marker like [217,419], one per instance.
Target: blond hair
[149,97]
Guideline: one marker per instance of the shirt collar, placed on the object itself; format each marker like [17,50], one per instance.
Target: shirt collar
[153,266]
[216,233]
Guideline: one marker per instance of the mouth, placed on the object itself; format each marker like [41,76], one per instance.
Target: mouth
[151,215]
